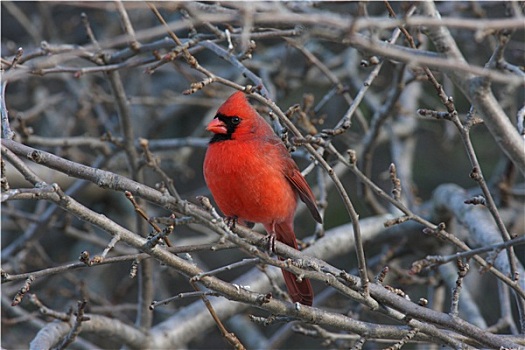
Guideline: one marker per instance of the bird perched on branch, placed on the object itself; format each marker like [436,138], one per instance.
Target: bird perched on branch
[253,178]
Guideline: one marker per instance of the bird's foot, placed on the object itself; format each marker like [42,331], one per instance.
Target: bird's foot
[231,221]
[271,237]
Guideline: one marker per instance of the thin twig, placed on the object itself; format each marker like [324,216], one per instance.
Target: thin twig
[7,133]
[463,268]
[134,44]
[230,337]
[75,329]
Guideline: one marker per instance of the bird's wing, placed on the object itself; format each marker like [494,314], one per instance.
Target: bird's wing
[303,189]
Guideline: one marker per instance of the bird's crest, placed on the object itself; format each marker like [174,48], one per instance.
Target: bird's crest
[237,105]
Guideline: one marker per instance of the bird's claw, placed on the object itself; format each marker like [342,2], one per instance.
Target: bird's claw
[271,242]
[231,221]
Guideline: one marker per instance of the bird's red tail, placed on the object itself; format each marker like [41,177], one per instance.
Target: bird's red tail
[301,292]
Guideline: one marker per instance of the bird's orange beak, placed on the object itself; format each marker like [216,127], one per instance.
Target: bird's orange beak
[216,126]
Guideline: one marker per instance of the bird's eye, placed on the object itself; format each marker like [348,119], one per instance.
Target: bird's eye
[235,120]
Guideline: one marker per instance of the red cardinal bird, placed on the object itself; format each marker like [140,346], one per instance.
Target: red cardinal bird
[253,178]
